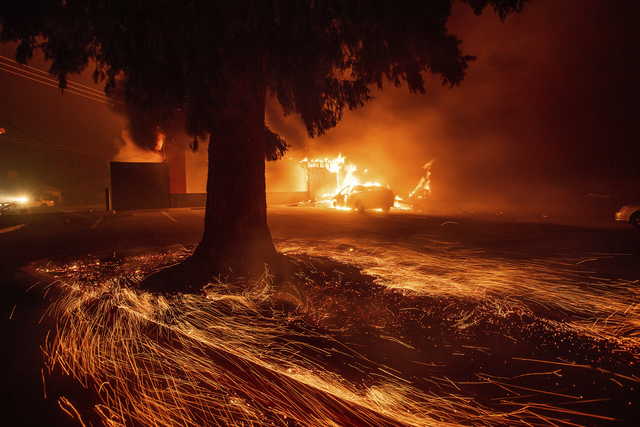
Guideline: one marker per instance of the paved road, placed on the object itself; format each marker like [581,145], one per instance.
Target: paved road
[69,233]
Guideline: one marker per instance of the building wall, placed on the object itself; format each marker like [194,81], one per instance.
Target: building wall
[177,169]
[137,185]
[196,168]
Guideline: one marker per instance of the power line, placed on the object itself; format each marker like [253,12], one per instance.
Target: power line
[51,83]
[43,78]
[27,73]
[47,75]
[55,86]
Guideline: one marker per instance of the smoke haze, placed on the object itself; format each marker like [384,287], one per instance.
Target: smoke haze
[542,119]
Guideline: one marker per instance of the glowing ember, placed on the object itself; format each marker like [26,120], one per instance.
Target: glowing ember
[190,359]
[228,355]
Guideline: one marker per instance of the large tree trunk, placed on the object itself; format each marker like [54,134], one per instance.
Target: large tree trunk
[236,235]
[236,238]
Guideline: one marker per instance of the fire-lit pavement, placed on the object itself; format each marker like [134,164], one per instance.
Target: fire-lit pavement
[76,232]
[573,291]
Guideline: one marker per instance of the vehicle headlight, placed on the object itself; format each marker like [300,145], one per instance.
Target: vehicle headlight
[21,200]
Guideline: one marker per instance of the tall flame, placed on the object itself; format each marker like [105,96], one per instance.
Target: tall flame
[423,187]
[346,173]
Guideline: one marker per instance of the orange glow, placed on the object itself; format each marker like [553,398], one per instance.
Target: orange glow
[130,152]
[423,187]
[188,359]
[346,175]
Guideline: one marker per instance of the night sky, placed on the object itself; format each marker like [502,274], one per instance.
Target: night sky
[545,116]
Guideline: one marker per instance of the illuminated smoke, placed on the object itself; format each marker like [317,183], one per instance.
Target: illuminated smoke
[131,152]
[504,139]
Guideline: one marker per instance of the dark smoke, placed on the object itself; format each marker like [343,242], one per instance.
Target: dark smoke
[541,125]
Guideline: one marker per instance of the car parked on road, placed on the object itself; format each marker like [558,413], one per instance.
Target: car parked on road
[629,214]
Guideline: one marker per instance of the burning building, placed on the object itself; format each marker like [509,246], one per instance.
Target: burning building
[172,175]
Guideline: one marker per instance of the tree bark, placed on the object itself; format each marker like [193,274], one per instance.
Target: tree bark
[236,236]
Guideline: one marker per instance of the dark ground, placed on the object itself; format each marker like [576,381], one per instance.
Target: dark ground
[611,251]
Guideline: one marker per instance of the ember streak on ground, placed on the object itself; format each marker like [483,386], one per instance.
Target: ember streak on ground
[438,334]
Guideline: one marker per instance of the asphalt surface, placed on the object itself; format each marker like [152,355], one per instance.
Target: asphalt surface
[612,250]
[43,235]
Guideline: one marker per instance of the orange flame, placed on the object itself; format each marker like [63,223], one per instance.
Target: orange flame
[346,174]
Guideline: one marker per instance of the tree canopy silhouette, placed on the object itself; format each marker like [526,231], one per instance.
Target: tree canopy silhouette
[212,64]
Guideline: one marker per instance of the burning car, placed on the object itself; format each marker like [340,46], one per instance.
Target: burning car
[630,214]
[364,197]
